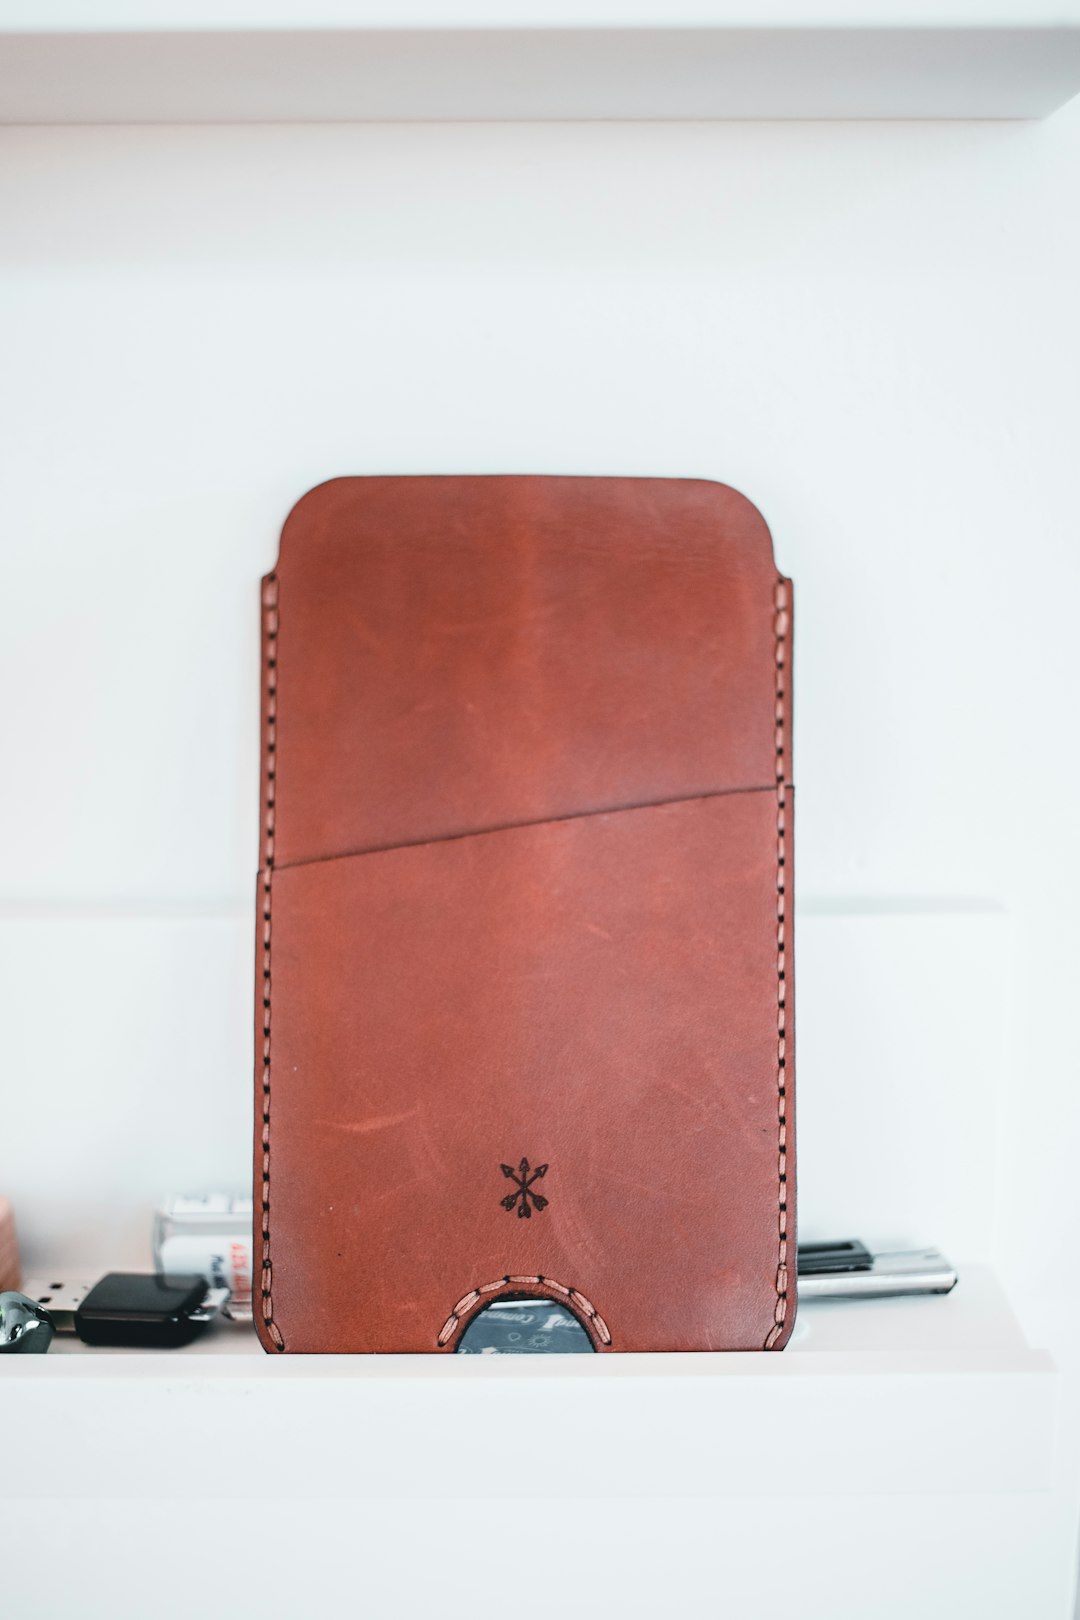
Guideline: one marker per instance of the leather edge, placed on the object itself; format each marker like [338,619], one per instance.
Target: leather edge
[293,528]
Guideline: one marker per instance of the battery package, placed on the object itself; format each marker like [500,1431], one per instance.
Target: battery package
[210,1236]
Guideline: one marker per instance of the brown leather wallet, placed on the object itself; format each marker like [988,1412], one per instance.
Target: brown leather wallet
[524,950]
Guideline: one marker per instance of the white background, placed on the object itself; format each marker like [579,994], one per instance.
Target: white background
[871,330]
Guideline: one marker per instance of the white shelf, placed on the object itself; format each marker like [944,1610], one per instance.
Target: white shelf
[911,1396]
[269,64]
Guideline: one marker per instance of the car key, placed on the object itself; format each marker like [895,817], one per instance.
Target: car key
[130,1308]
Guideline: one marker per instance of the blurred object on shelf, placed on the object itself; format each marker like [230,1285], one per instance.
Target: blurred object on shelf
[829,1258]
[848,1270]
[210,1236]
[10,1270]
[25,1329]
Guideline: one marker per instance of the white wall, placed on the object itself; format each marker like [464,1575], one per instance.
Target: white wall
[873,331]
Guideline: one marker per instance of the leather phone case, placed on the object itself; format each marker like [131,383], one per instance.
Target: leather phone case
[524,964]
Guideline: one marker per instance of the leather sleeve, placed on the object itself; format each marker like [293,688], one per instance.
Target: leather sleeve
[524,989]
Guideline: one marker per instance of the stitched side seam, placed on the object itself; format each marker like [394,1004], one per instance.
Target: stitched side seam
[270,631]
[781,625]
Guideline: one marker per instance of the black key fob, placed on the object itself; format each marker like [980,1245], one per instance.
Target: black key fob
[156,1313]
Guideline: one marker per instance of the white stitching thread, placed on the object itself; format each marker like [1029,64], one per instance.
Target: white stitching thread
[270,596]
[470,1300]
[781,626]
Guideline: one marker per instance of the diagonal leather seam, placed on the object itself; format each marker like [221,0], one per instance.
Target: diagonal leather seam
[519,826]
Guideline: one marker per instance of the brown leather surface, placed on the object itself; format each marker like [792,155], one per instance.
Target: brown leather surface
[525,895]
